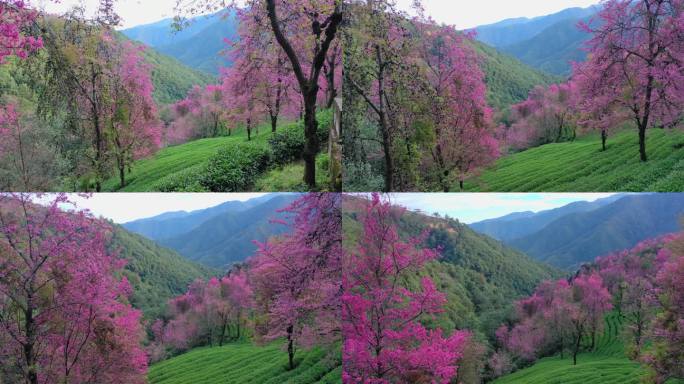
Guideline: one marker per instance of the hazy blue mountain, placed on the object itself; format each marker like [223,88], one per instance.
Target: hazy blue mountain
[548,43]
[512,31]
[198,45]
[228,238]
[218,236]
[579,237]
[171,224]
[554,48]
[520,224]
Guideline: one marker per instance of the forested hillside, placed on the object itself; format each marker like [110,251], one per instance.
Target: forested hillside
[480,276]
[508,79]
[156,273]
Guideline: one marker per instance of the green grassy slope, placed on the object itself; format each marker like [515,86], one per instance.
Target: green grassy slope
[606,365]
[156,273]
[581,166]
[189,159]
[168,161]
[246,363]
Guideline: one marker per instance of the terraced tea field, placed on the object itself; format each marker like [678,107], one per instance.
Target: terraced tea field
[581,166]
[245,363]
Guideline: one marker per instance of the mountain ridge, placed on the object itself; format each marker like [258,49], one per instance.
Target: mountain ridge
[219,236]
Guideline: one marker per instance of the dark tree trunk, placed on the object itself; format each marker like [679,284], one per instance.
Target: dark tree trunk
[461,184]
[290,347]
[387,149]
[604,137]
[643,123]
[223,334]
[249,130]
[122,173]
[576,348]
[29,353]
[311,147]
[308,84]
[274,123]
[642,143]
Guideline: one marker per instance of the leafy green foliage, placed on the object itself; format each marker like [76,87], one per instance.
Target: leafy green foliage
[246,363]
[480,275]
[155,273]
[288,142]
[235,169]
[508,80]
[581,166]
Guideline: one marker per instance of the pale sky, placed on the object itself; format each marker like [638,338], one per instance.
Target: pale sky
[473,207]
[468,14]
[125,207]
[133,12]
[463,14]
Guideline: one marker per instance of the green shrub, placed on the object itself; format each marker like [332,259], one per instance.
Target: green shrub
[287,144]
[187,180]
[235,168]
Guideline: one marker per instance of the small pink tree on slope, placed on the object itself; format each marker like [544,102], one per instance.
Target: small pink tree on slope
[384,341]
[634,70]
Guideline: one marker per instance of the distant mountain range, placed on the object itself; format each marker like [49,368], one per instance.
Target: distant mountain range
[577,233]
[219,236]
[549,43]
[198,45]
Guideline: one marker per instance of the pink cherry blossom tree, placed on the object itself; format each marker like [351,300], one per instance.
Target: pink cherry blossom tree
[135,125]
[63,317]
[462,120]
[634,66]
[297,276]
[384,340]
[16,22]
[668,328]
[547,116]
